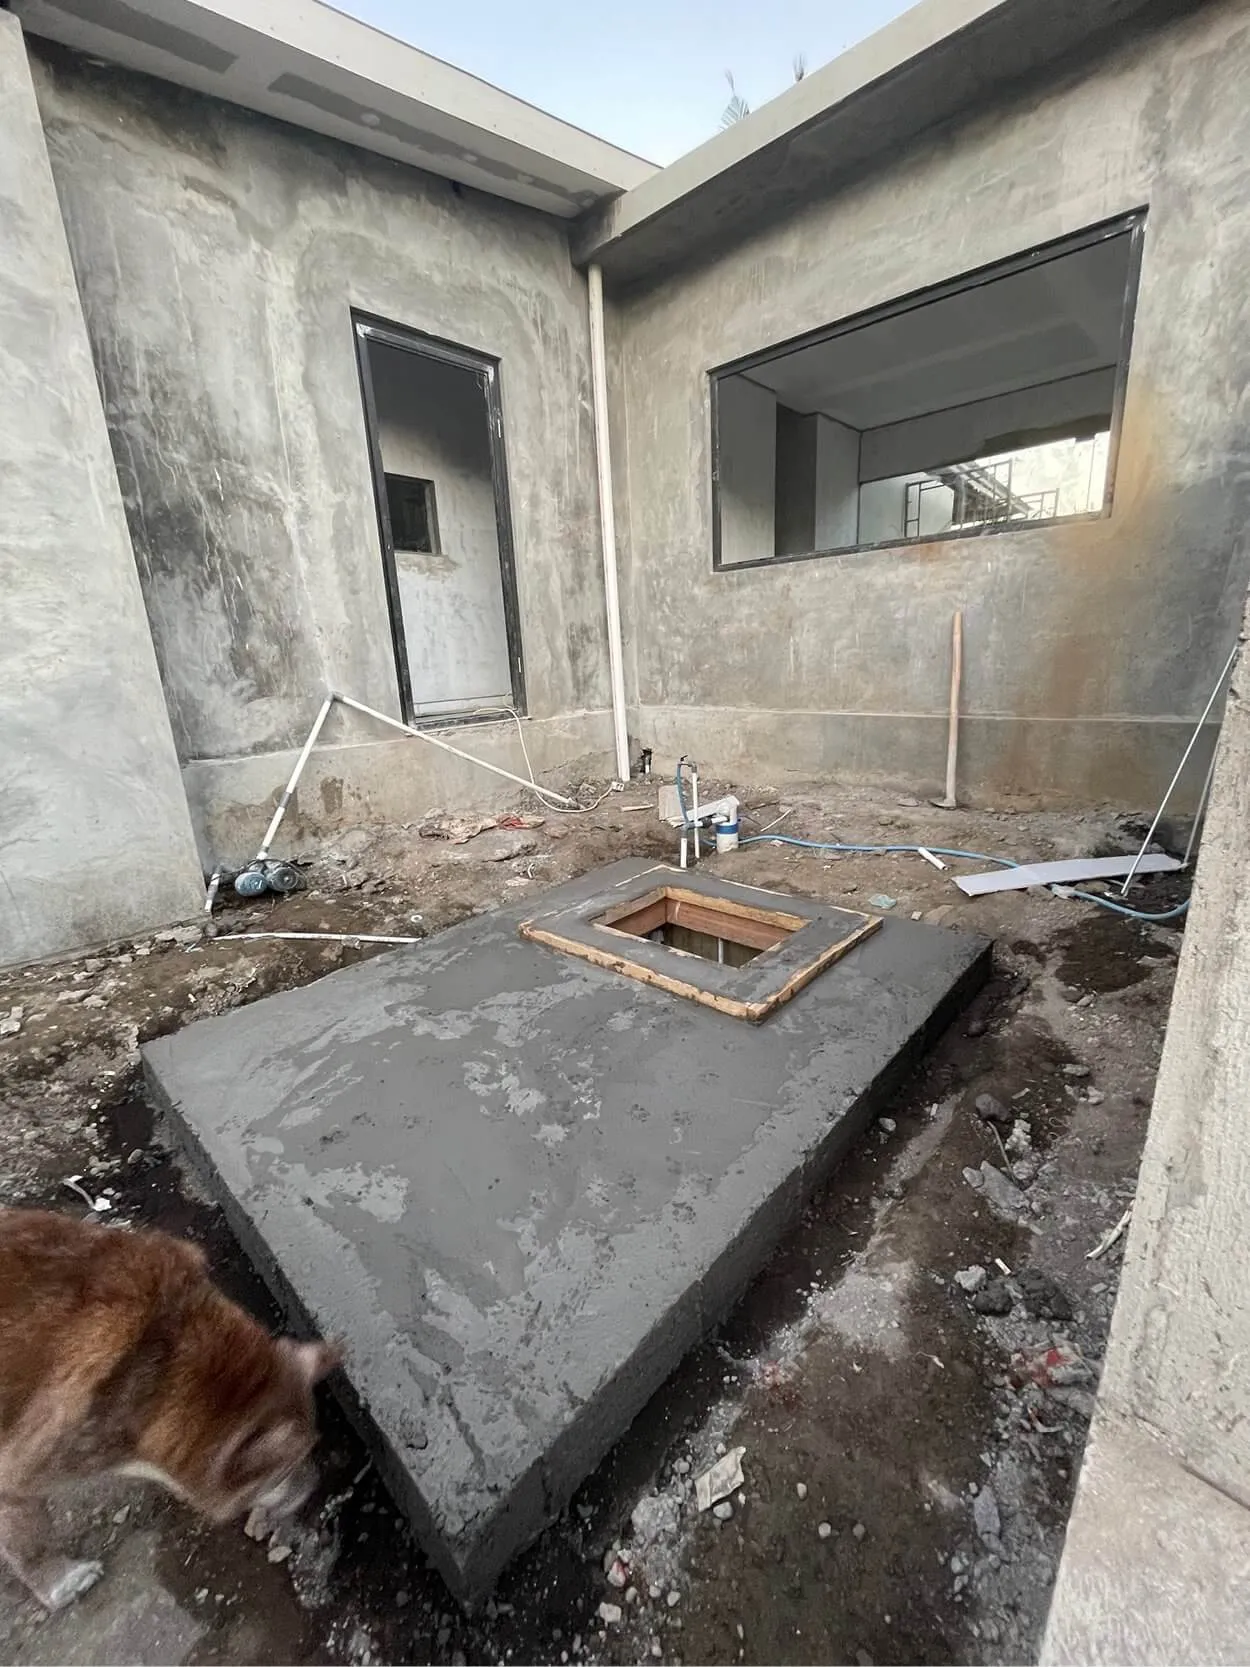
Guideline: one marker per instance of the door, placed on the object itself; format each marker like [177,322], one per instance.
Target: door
[434,421]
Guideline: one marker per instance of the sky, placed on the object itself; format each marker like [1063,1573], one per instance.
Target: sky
[647,74]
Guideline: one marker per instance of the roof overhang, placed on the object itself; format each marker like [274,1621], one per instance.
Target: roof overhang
[936,61]
[307,64]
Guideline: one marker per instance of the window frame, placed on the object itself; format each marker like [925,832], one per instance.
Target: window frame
[1132,223]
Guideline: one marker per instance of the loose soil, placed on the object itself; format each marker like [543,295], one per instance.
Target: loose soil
[875,1406]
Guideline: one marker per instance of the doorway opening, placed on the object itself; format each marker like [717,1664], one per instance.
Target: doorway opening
[434,422]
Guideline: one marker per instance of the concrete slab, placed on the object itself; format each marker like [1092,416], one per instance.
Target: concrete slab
[521,1186]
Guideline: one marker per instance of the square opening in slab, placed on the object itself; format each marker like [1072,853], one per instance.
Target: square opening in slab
[713,941]
[708,927]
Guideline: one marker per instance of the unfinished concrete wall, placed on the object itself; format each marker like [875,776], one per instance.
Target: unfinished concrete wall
[1170,1447]
[1089,647]
[95,840]
[218,255]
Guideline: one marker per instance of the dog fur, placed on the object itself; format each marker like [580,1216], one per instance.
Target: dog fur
[118,1354]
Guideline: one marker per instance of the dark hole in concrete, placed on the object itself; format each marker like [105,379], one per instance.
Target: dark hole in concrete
[697,925]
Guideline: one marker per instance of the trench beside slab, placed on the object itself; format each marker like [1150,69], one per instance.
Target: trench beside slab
[520,1187]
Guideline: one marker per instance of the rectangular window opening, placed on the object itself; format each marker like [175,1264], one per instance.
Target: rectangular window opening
[969,408]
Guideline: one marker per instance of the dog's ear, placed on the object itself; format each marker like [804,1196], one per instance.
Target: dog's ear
[313,1361]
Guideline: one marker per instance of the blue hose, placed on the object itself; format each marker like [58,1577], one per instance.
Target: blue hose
[944,851]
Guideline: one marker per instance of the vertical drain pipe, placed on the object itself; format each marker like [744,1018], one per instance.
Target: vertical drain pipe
[607,519]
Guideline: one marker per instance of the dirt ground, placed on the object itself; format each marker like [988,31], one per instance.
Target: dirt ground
[909,1462]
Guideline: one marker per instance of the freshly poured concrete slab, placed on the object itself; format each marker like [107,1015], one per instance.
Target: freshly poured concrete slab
[520,1186]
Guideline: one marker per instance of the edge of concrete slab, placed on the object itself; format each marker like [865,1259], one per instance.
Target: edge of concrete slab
[1156,1566]
[627,1382]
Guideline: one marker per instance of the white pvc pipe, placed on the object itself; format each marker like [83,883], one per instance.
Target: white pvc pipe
[607,520]
[296,773]
[437,741]
[318,937]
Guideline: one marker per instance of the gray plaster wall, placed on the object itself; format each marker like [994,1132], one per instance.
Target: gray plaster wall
[1089,648]
[1171,1442]
[219,255]
[95,839]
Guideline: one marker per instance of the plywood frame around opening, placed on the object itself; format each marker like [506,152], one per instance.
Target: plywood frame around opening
[796,942]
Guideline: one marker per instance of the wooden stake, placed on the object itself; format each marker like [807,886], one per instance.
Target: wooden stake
[949,802]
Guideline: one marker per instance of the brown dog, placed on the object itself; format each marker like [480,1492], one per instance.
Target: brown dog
[117,1353]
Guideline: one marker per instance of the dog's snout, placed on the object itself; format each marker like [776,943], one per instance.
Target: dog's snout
[284,1498]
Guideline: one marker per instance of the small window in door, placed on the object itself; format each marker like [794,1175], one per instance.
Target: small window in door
[414,517]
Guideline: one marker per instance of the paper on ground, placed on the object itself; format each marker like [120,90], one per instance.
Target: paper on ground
[725,1477]
[1061,873]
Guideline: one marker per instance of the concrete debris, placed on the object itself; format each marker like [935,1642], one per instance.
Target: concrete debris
[1043,1298]
[825,1530]
[279,1553]
[257,1525]
[723,1511]
[179,935]
[1055,1365]
[800,1489]
[674,1598]
[1019,1143]
[12,1023]
[618,1573]
[879,900]
[656,1517]
[970,1279]
[1000,1193]
[720,1480]
[611,1614]
[985,1516]
[1024,1170]
[1094,1096]
[993,1298]
[990,1110]
[457,830]
[887,1125]
[1078,1073]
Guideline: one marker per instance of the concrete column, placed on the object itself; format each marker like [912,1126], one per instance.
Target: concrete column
[1157,1561]
[95,837]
